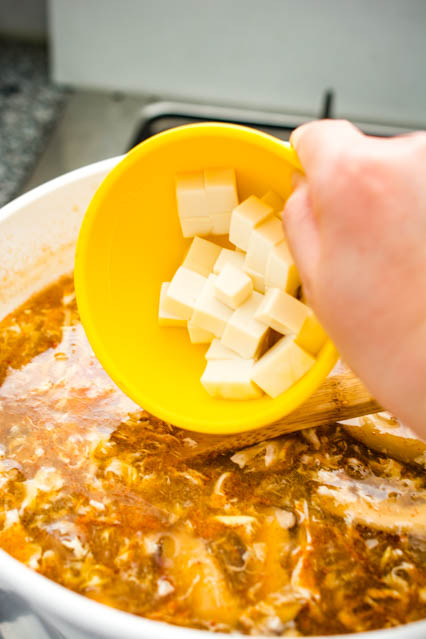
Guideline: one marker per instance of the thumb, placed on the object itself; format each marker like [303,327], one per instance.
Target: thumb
[301,228]
[321,140]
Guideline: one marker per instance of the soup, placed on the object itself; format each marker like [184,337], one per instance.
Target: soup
[308,534]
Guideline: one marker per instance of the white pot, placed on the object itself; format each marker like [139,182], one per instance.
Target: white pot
[38,232]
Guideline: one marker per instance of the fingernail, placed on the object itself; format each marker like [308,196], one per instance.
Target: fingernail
[295,136]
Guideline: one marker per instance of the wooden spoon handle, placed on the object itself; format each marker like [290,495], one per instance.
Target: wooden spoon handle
[341,396]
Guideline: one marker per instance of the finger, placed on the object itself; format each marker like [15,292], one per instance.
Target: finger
[314,142]
[302,233]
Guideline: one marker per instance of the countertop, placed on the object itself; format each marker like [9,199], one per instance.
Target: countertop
[30,105]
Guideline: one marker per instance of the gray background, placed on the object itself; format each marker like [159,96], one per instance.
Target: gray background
[279,54]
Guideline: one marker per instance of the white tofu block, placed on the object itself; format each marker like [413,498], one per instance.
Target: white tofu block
[230,379]
[165,318]
[183,292]
[243,333]
[191,195]
[198,335]
[262,240]
[282,312]
[220,223]
[311,336]
[217,350]
[276,201]
[233,286]
[281,271]
[258,279]
[195,226]
[280,367]
[221,190]
[209,313]
[245,217]
[201,256]
[226,256]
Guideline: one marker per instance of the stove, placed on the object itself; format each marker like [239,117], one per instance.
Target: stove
[95,125]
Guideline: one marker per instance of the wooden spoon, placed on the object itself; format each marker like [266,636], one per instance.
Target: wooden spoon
[341,396]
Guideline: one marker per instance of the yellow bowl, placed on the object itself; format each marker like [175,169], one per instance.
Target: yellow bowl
[130,242]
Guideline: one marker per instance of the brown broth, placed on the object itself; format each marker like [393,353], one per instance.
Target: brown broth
[308,534]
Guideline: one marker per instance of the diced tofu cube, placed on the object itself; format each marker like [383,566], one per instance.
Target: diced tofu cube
[282,312]
[233,286]
[258,279]
[281,271]
[201,256]
[280,367]
[195,226]
[221,190]
[220,223]
[273,199]
[209,312]
[183,292]
[226,256]
[191,195]
[217,350]
[165,318]
[199,335]
[245,217]
[262,240]
[243,333]
[311,336]
[230,379]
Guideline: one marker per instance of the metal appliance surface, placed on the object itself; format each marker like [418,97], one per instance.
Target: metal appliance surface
[100,124]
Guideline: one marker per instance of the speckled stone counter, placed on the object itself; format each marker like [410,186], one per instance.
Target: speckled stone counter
[30,105]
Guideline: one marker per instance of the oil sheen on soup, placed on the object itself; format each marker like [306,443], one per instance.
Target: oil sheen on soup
[312,533]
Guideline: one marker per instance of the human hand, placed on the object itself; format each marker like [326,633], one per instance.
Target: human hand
[356,225]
